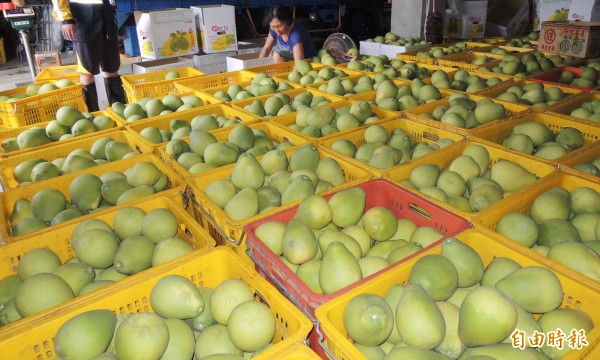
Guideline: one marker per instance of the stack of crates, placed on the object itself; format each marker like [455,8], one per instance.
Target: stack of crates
[221,247]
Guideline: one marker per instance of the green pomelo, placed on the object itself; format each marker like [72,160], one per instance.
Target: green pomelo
[143,173]
[348,206]
[143,335]
[220,191]
[518,227]
[205,319]
[498,269]
[380,223]
[555,231]
[86,335]
[175,296]
[242,205]
[534,288]
[226,296]
[134,255]
[271,233]
[419,321]
[41,292]
[251,326]
[128,222]
[436,275]
[425,236]
[135,193]
[169,249]
[567,319]
[368,319]
[160,224]
[77,275]
[47,203]
[85,191]
[96,247]
[336,257]
[214,342]
[487,316]
[466,261]
[36,261]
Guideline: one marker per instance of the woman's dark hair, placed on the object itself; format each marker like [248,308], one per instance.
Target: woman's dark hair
[282,13]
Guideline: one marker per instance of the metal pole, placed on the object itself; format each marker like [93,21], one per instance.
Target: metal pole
[28,53]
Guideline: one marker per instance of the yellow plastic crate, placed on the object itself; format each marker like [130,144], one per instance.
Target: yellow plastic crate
[567,164]
[240,104]
[411,56]
[153,84]
[279,68]
[431,68]
[209,269]
[510,49]
[444,158]
[59,239]
[273,132]
[211,92]
[501,131]
[13,133]
[211,81]
[38,108]
[483,75]
[360,96]
[7,165]
[162,122]
[462,60]
[414,114]
[227,231]
[563,110]
[570,93]
[290,119]
[418,132]
[354,78]
[57,73]
[284,76]
[10,197]
[207,99]
[488,220]
[298,352]
[370,95]
[577,294]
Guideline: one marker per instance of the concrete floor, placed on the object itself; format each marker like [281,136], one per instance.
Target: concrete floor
[14,73]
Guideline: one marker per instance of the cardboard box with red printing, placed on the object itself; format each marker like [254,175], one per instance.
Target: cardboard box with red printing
[576,38]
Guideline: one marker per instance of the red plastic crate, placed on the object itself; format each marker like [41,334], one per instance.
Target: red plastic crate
[379,192]
[551,77]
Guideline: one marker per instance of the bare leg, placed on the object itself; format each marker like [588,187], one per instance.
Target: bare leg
[86,79]
[277,58]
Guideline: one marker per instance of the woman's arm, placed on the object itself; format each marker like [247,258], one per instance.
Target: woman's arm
[298,51]
[269,43]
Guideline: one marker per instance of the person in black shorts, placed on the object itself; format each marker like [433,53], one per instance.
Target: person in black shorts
[92,26]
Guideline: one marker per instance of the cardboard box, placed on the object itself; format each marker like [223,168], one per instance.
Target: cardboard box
[250,46]
[585,10]
[391,51]
[550,10]
[507,18]
[370,48]
[162,64]
[126,68]
[211,64]
[166,33]
[244,61]
[466,19]
[576,38]
[216,27]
